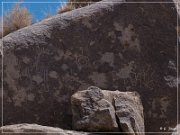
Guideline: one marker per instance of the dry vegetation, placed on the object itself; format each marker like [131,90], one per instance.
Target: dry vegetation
[20,17]
[15,19]
[74,4]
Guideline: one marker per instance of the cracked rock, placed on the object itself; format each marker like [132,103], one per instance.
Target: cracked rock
[92,112]
[129,111]
[102,110]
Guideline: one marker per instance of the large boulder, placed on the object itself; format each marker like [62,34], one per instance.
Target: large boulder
[101,110]
[29,129]
[109,45]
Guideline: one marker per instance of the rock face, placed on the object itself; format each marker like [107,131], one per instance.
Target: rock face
[109,45]
[28,129]
[101,110]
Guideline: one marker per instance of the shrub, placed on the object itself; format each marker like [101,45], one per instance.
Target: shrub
[70,5]
[15,19]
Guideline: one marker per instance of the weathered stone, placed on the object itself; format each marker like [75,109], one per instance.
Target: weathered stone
[96,110]
[129,111]
[92,112]
[29,129]
[109,45]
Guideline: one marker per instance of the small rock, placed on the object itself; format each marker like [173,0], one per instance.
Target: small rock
[102,110]
[92,112]
[129,111]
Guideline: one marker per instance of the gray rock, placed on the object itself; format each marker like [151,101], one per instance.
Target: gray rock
[96,110]
[92,112]
[129,111]
[29,129]
[109,45]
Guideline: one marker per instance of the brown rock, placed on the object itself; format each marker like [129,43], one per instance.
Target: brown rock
[92,112]
[96,110]
[129,111]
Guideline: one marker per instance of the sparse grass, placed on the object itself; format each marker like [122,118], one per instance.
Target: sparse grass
[68,7]
[17,18]
[71,6]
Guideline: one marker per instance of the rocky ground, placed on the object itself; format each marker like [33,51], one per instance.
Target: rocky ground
[29,129]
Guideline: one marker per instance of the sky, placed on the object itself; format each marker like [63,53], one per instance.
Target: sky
[38,10]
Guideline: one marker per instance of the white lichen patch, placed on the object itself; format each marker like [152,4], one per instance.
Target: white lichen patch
[11,74]
[117,26]
[171,81]
[37,78]
[86,23]
[124,72]
[53,74]
[164,102]
[70,80]
[60,55]
[26,60]
[129,39]
[68,54]
[64,67]
[92,43]
[152,110]
[99,79]
[30,97]
[154,104]
[121,56]
[19,97]
[172,65]
[108,57]
[56,93]
[112,35]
